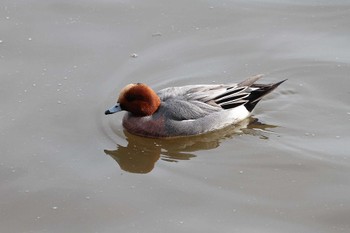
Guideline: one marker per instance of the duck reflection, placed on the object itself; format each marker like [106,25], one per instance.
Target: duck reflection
[141,154]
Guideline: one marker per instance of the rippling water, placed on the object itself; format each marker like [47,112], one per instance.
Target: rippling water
[65,167]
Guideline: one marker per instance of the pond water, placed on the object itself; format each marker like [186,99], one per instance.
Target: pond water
[66,167]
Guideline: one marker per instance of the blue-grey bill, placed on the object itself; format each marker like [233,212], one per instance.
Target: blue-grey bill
[112,110]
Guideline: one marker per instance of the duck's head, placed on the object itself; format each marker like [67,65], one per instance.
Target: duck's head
[139,99]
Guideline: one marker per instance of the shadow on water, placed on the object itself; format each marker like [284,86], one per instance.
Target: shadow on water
[141,154]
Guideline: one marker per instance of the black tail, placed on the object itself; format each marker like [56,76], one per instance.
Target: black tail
[256,95]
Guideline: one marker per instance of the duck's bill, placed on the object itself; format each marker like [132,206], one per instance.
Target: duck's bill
[112,110]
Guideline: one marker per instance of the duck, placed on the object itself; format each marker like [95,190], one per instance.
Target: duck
[188,110]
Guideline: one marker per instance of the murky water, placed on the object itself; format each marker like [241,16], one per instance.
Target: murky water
[65,167]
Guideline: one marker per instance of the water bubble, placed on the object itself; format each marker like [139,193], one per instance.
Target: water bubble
[156,34]
[54,207]
[59,101]
[134,55]
[29,38]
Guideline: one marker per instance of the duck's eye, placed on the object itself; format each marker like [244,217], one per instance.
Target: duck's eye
[133,97]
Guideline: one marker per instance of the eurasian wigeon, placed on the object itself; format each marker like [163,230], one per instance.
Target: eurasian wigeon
[188,110]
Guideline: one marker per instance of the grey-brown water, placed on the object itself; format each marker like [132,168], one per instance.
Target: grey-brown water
[65,167]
